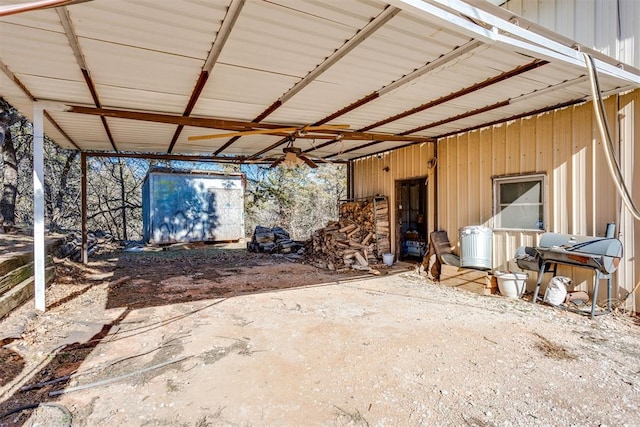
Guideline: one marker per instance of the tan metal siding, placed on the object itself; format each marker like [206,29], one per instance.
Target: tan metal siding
[405,163]
[581,198]
[605,25]
[629,272]
[564,144]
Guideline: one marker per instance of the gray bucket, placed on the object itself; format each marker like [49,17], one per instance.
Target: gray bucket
[476,243]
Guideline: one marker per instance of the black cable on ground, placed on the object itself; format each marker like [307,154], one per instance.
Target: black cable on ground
[63,408]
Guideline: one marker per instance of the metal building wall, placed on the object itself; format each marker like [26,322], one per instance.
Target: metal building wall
[609,26]
[192,206]
[371,179]
[581,197]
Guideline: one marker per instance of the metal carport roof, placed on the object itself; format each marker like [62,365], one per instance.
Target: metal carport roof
[397,72]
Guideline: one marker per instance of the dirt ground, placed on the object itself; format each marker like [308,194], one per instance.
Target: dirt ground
[214,336]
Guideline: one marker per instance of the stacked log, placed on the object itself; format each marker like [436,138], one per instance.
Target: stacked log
[372,214]
[273,240]
[381,209]
[342,245]
[356,241]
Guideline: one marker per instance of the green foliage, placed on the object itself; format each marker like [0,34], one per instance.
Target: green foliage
[299,199]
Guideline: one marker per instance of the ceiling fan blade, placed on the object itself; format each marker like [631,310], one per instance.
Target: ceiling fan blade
[269,131]
[323,160]
[308,161]
[243,133]
[276,163]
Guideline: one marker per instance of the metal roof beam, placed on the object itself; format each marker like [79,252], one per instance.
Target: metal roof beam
[29,95]
[465,91]
[429,67]
[458,117]
[342,51]
[504,34]
[14,9]
[233,12]
[441,61]
[158,156]
[210,123]
[515,117]
[383,151]
[480,111]
[347,136]
[407,78]
[521,22]
[373,25]
[233,125]
[523,34]
[16,81]
[67,25]
[504,103]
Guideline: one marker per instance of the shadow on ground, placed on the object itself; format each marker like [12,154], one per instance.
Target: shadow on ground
[138,280]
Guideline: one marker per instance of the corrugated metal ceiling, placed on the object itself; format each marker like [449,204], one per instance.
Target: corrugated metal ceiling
[284,63]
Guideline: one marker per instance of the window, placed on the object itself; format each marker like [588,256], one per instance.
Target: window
[519,202]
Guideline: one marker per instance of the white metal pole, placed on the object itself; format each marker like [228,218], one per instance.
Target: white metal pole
[38,206]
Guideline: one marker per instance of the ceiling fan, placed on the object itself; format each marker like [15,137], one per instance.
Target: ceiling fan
[293,157]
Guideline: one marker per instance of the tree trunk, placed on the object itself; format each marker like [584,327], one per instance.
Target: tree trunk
[62,189]
[123,200]
[9,181]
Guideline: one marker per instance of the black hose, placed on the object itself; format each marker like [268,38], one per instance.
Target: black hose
[63,408]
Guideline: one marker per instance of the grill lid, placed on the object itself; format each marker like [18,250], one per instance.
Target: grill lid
[601,253]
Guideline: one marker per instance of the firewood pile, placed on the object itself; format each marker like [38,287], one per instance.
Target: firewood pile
[356,241]
[273,240]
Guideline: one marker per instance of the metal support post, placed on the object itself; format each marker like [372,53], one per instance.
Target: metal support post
[85,253]
[38,207]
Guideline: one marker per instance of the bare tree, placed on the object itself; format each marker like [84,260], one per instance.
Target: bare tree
[8,118]
[300,199]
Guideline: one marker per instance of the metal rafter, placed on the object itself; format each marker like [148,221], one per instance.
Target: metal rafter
[375,24]
[65,20]
[465,91]
[458,117]
[225,124]
[515,117]
[235,125]
[29,95]
[469,129]
[233,12]
[441,61]
[14,9]
[381,151]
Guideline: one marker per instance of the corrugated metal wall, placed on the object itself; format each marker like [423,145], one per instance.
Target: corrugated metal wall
[563,144]
[629,112]
[411,162]
[609,26]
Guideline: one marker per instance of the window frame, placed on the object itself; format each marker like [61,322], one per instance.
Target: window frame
[519,178]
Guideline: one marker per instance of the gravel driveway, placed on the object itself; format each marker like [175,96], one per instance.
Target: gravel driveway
[388,351]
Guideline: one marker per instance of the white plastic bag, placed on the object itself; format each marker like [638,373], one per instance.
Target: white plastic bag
[556,292]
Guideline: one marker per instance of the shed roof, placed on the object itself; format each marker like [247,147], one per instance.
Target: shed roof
[144,76]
